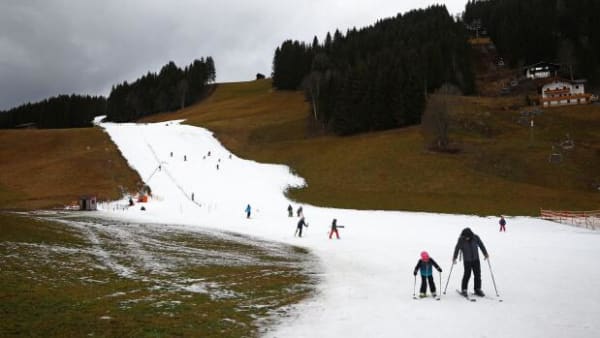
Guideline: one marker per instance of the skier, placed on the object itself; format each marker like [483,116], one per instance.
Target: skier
[301,223]
[185,157]
[192,196]
[171,154]
[334,228]
[130,201]
[502,223]
[290,211]
[248,211]
[425,264]
[299,211]
[468,243]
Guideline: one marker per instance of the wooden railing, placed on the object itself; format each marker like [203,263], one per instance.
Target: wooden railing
[584,219]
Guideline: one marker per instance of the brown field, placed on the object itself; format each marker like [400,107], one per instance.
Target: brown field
[43,169]
[502,167]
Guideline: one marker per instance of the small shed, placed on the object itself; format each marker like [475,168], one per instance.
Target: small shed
[87,203]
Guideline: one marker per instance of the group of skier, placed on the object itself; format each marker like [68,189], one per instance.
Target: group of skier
[302,223]
[468,245]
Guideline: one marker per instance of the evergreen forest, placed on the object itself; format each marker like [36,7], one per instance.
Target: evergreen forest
[528,31]
[171,89]
[63,111]
[378,77]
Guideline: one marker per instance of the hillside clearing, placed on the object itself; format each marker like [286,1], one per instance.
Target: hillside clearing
[502,168]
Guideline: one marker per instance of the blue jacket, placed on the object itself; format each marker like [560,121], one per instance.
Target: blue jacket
[426,267]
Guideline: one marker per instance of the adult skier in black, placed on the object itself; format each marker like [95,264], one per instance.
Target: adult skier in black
[290,210]
[301,223]
[468,242]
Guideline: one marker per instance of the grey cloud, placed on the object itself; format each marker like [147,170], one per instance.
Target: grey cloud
[56,47]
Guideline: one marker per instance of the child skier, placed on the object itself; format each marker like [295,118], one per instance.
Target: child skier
[425,264]
[334,228]
[502,223]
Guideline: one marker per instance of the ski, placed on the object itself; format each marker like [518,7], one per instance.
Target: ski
[419,297]
[466,297]
[488,297]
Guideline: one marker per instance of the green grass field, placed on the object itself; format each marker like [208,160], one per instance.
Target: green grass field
[57,282]
[501,169]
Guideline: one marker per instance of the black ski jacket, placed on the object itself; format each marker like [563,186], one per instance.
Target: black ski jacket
[469,246]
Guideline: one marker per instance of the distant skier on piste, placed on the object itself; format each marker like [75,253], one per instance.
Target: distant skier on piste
[301,223]
[468,242]
[426,264]
[502,223]
[290,210]
[248,211]
[299,212]
[334,229]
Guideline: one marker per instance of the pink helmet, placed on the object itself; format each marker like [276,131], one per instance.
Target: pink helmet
[424,256]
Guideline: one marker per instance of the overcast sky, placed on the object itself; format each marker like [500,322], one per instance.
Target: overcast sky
[51,47]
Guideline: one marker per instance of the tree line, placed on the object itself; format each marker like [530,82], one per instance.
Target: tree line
[63,111]
[377,77]
[528,31]
[170,89]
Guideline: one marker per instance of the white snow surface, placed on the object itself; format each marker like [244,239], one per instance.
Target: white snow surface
[546,274]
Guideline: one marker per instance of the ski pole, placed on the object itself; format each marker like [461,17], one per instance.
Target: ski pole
[450,274]
[493,280]
[415,288]
[438,297]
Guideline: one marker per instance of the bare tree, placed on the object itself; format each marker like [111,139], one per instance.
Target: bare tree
[435,121]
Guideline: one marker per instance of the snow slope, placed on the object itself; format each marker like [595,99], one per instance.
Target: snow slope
[546,273]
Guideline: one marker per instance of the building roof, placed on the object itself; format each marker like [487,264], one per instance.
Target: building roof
[560,79]
[543,64]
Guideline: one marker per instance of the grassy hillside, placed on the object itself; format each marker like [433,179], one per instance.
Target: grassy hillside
[51,168]
[502,168]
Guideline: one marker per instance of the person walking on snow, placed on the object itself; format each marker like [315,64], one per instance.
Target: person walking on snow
[468,242]
[426,264]
[301,223]
[248,211]
[299,211]
[290,211]
[502,223]
[334,227]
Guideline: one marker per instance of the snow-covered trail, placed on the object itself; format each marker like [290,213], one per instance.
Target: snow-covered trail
[545,272]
